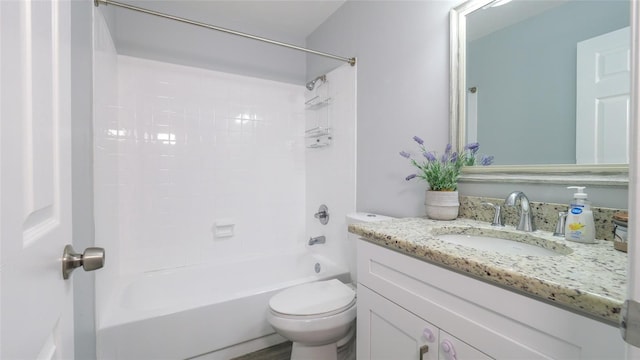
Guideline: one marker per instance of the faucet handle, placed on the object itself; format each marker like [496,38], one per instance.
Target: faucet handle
[562,218]
[497,215]
[323,214]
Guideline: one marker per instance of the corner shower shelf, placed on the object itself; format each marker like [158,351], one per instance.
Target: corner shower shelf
[318,137]
[319,141]
[316,132]
[317,102]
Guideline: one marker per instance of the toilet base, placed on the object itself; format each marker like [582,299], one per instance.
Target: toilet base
[344,349]
[321,352]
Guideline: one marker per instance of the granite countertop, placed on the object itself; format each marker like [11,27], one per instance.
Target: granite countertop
[588,278]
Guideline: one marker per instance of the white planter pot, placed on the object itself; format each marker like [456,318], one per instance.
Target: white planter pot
[442,205]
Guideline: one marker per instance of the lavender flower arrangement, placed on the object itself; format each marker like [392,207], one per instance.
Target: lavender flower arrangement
[442,173]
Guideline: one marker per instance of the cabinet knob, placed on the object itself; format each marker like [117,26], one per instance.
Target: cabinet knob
[423,350]
[428,334]
[448,349]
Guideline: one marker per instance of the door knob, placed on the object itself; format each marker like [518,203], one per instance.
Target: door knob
[91,259]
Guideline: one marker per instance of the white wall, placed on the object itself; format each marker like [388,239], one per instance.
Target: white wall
[403,90]
[403,80]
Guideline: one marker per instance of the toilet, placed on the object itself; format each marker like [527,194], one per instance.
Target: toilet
[319,317]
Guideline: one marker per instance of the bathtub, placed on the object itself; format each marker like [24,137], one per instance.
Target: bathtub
[191,311]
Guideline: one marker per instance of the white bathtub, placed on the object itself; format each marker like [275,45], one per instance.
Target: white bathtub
[190,311]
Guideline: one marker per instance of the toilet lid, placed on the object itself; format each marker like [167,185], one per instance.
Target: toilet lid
[313,298]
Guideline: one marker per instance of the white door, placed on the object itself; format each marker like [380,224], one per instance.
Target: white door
[602,99]
[35,186]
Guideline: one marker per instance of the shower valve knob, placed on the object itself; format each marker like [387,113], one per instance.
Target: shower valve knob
[322,214]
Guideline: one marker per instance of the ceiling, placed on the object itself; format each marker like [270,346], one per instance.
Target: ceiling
[291,19]
[146,36]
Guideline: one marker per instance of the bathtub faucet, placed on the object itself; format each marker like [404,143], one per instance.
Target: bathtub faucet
[317,240]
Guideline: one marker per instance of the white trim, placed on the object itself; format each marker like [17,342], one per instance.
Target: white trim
[634,166]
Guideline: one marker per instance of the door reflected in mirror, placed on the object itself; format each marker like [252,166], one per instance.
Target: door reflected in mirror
[544,82]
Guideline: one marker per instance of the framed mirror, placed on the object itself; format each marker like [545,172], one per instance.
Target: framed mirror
[543,85]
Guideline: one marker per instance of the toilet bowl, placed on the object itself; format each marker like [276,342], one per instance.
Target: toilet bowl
[316,317]
[320,317]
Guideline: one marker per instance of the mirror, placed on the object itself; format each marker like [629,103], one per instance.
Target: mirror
[521,86]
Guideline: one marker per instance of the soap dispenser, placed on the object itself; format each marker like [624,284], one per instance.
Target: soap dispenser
[579,225]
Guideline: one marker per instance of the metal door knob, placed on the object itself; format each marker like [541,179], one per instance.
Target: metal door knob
[91,259]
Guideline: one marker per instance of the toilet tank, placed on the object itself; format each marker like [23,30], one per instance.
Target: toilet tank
[354,218]
[360,217]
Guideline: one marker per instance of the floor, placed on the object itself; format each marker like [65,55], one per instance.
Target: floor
[277,352]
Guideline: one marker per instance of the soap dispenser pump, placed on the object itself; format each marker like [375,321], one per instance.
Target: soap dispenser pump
[579,225]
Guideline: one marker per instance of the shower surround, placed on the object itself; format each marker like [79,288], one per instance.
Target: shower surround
[196,168]
[201,153]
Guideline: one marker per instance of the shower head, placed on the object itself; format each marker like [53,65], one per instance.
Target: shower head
[311,84]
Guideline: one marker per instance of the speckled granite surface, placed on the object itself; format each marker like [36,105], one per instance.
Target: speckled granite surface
[588,278]
[545,214]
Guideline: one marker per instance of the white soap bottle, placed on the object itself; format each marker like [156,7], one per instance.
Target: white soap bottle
[579,225]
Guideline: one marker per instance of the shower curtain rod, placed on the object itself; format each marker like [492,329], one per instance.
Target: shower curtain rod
[351,61]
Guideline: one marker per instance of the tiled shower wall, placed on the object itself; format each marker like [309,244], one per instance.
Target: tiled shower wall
[210,166]
[105,156]
[331,170]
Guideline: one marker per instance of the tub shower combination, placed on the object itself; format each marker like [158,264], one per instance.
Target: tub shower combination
[186,312]
[207,311]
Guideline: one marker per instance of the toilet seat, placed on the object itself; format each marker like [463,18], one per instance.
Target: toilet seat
[317,299]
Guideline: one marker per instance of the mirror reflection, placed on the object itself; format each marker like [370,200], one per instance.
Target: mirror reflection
[547,82]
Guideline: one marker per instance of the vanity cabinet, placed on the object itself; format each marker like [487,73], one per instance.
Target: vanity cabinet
[393,332]
[405,303]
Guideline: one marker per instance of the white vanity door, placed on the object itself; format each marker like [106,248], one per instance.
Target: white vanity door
[388,331]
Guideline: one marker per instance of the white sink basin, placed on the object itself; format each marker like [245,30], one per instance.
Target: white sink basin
[494,244]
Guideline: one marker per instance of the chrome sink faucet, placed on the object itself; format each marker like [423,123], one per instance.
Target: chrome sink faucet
[526,218]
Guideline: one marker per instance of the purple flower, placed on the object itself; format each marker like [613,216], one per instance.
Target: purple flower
[447,150]
[473,147]
[486,160]
[441,170]
[430,156]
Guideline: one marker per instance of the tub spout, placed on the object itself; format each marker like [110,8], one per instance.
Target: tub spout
[317,240]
